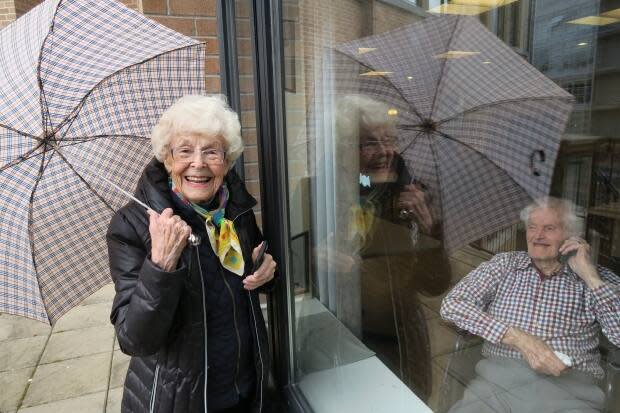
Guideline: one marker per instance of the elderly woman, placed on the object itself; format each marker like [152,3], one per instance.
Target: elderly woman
[189,314]
[390,252]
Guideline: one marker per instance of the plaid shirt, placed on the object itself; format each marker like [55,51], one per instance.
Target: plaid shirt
[508,291]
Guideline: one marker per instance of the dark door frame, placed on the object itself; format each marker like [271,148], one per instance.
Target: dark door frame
[268,58]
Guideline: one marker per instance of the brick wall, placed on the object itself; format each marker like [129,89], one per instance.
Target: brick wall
[7,12]
[23,6]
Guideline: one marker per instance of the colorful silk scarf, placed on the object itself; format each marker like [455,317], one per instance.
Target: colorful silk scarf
[221,231]
[361,218]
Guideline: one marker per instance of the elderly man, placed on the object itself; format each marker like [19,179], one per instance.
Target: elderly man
[540,314]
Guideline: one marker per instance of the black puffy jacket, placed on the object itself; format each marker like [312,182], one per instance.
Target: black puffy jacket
[160,317]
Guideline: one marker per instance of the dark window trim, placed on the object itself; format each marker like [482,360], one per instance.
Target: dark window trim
[268,57]
[229,69]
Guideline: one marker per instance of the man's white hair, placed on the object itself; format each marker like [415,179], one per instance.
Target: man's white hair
[198,115]
[355,113]
[566,209]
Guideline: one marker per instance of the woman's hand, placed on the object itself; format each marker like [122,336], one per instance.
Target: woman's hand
[263,274]
[169,235]
[413,200]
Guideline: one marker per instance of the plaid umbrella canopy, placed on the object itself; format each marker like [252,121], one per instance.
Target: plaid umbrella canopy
[478,125]
[81,84]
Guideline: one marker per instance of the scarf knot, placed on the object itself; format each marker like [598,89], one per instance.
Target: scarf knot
[221,231]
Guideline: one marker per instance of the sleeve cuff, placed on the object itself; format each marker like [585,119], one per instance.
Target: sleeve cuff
[607,296]
[495,331]
[151,267]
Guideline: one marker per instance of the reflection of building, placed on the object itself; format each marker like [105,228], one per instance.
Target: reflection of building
[584,60]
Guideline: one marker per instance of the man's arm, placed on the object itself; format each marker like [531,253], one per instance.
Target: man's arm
[535,351]
[604,286]
[466,304]
[606,304]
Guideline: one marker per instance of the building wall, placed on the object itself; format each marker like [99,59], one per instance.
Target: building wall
[7,12]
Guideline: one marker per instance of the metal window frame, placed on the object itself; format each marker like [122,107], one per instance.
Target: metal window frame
[229,68]
[268,59]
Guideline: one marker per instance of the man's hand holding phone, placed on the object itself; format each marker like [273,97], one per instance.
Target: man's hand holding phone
[576,252]
[262,270]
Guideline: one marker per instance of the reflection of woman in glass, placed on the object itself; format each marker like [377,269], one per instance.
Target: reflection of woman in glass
[397,241]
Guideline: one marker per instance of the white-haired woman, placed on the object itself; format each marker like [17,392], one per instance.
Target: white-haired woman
[189,315]
[391,246]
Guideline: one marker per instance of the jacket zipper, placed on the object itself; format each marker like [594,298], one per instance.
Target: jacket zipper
[154,390]
[204,319]
[260,355]
[232,297]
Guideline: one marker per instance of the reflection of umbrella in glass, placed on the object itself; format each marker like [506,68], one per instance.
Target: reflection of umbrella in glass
[477,124]
[81,85]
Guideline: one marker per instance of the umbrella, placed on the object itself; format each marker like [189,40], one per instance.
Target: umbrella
[478,125]
[81,84]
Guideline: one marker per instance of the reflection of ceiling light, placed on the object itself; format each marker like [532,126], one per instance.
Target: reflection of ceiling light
[409,77]
[362,50]
[462,9]
[612,13]
[486,62]
[595,21]
[455,54]
[375,73]
[484,3]
[392,112]
[582,44]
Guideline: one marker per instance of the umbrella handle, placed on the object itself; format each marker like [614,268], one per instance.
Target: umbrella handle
[541,158]
[194,240]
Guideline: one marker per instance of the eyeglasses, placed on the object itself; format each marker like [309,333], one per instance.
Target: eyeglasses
[374,145]
[209,155]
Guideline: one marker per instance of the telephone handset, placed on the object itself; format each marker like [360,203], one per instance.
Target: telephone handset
[563,258]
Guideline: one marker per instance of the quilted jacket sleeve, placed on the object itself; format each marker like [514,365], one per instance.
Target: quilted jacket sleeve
[146,297]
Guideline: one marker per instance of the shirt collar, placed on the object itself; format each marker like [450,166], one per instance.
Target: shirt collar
[523,262]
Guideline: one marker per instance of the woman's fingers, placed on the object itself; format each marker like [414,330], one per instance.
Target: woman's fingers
[263,274]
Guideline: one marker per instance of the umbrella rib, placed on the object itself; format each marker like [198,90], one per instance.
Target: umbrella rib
[42,98]
[82,139]
[82,179]
[445,135]
[439,187]
[28,135]
[396,88]
[42,168]
[501,102]
[415,138]
[21,158]
[443,66]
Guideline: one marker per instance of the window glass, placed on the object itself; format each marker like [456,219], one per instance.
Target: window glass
[418,133]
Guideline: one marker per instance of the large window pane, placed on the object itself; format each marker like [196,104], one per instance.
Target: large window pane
[415,138]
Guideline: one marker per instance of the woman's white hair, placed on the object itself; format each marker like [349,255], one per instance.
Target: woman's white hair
[355,113]
[198,115]
[566,209]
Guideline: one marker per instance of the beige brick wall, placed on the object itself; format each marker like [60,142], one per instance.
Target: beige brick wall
[7,12]
[23,6]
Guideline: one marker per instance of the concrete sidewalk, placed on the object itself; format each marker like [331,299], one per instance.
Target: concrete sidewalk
[76,367]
